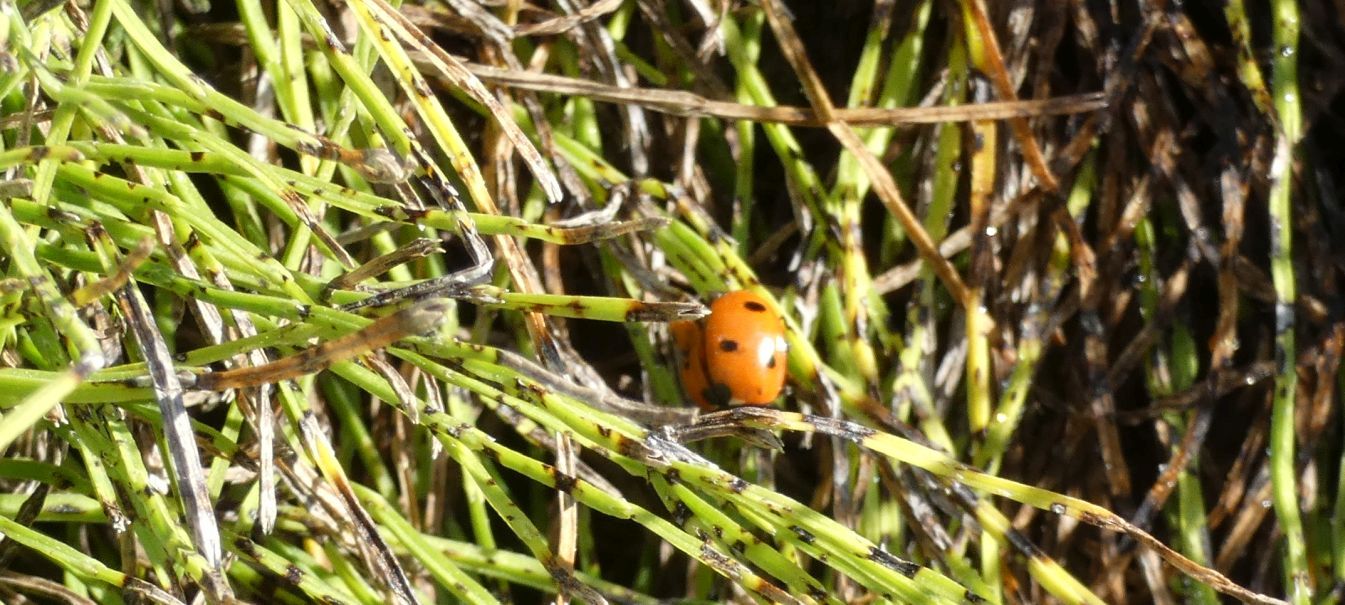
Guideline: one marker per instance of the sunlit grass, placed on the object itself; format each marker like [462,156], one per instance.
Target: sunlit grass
[367,303]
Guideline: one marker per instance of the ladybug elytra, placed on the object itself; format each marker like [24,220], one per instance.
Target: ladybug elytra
[734,356]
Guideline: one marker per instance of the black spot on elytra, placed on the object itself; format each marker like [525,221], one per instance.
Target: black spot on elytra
[717,394]
[728,345]
[770,364]
[754,306]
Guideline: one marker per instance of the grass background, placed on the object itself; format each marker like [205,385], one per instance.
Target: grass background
[1060,279]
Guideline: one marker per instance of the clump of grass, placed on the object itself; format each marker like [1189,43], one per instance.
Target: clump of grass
[366,302]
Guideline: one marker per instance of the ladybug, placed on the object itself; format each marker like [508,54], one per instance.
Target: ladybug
[735,356]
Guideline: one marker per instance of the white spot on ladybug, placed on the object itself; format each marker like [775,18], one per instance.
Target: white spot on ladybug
[766,348]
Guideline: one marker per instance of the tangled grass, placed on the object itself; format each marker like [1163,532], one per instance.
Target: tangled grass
[363,302]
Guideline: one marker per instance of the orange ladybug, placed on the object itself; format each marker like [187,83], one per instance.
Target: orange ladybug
[735,356]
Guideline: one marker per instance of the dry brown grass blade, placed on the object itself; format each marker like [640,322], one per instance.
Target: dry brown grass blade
[684,103]
[168,395]
[39,586]
[1000,77]
[883,184]
[452,70]
[1199,572]
[567,525]
[134,258]
[416,319]
[563,24]
[417,248]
